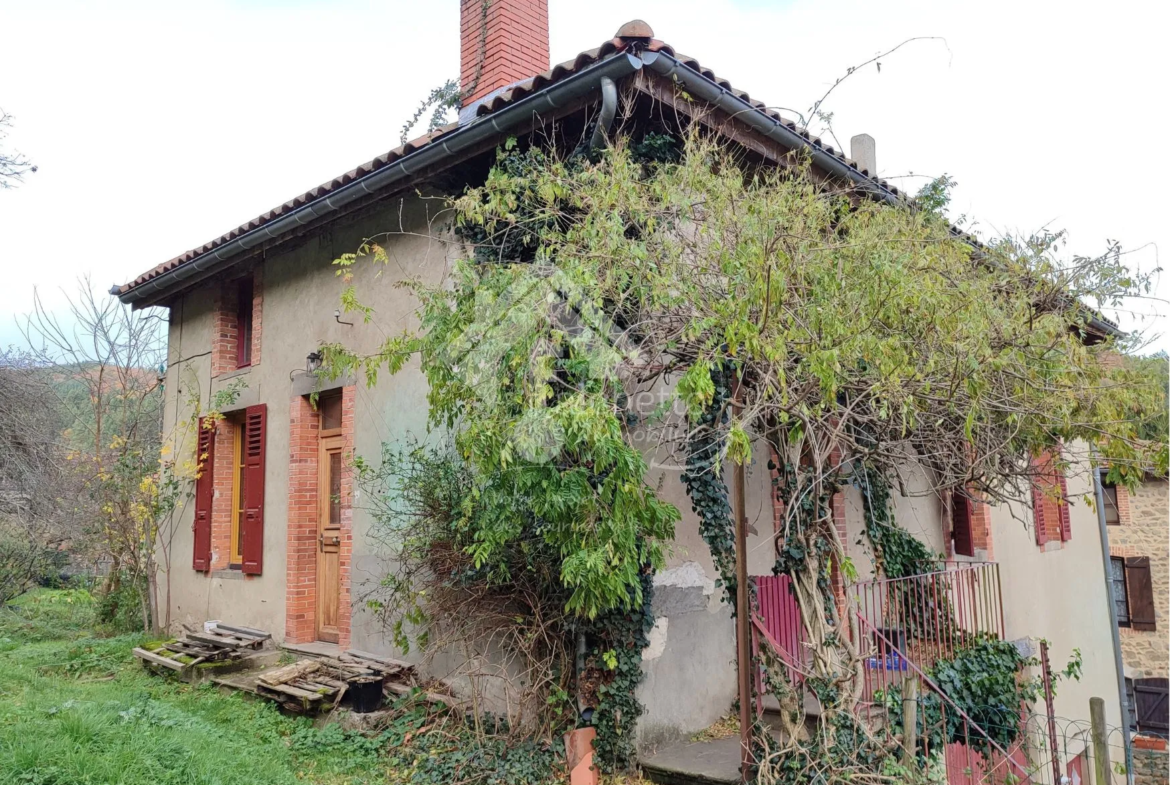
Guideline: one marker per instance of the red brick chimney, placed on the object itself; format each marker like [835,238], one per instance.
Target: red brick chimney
[514,46]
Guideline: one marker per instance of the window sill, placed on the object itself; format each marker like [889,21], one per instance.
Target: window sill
[232,374]
[231,574]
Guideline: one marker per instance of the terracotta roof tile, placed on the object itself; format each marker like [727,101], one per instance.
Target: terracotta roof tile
[488,106]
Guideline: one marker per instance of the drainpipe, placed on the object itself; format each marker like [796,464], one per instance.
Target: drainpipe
[1099,492]
[608,112]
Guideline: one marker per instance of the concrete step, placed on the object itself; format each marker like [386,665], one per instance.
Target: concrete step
[713,762]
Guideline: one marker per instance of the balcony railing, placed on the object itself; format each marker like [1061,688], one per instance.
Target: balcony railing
[930,616]
[927,617]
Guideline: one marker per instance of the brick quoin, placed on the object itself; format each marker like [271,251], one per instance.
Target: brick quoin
[300,609]
[257,312]
[223,472]
[300,624]
[1124,514]
[981,530]
[514,47]
[224,352]
[223,339]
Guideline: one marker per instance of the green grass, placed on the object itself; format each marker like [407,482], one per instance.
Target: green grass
[79,710]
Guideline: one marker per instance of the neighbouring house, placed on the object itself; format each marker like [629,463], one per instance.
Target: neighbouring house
[276,536]
[1138,527]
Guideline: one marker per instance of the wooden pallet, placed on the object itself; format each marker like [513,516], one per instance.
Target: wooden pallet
[164,658]
[304,686]
[224,643]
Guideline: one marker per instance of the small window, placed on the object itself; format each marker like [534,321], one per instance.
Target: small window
[244,323]
[962,529]
[330,408]
[1120,590]
[1112,512]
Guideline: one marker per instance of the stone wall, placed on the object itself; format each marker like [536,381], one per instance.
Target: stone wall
[1151,767]
[1145,531]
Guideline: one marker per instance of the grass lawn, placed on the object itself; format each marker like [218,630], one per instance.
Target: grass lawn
[75,709]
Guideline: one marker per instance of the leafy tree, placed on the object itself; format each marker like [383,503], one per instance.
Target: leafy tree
[855,333]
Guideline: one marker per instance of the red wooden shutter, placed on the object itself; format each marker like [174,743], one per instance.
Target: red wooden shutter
[252,525]
[961,531]
[1038,513]
[1065,513]
[204,492]
[1141,593]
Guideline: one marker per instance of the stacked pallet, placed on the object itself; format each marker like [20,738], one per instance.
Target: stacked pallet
[304,686]
[314,684]
[223,643]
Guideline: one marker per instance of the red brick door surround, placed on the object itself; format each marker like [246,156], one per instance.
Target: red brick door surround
[304,504]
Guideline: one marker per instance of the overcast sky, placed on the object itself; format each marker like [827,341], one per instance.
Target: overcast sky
[157,126]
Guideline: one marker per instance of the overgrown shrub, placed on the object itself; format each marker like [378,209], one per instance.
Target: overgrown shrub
[121,605]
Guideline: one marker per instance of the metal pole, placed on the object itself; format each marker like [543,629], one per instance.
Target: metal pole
[1118,662]
[1051,718]
[742,614]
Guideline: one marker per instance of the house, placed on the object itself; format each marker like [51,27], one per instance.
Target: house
[1139,560]
[276,536]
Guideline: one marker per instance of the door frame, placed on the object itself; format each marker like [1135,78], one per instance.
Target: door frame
[328,443]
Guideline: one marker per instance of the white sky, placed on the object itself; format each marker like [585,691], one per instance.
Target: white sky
[159,126]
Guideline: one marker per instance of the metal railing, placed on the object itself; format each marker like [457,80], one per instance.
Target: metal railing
[965,765]
[929,617]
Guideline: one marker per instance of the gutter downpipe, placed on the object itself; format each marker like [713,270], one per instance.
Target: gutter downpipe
[608,112]
[557,95]
[1099,492]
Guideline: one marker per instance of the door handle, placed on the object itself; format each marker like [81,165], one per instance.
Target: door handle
[332,540]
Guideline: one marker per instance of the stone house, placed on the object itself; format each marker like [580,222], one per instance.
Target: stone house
[1138,525]
[277,536]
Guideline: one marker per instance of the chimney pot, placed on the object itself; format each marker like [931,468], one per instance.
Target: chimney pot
[502,42]
[863,151]
[635,28]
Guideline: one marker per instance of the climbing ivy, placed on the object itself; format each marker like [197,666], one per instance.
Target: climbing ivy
[896,552]
[619,638]
[985,679]
[703,478]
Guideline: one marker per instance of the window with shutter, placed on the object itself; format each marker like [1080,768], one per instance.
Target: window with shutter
[204,492]
[252,523]
[1152,699]
[1120,590]
[1141,593]
[961,530]
[1112,511]
[1050,510]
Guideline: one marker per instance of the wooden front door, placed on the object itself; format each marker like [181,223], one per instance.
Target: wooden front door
[329,537]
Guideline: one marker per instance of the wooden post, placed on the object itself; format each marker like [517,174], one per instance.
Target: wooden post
[1101,768]
[742,616]
[909,718]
